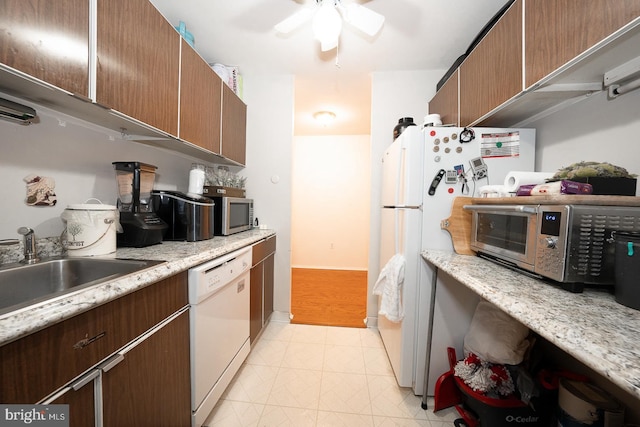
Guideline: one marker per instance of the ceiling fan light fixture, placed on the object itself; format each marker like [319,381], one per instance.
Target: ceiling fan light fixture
[327,25]
[294,21]
[362,18]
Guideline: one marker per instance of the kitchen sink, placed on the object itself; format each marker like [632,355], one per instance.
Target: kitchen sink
[22,285]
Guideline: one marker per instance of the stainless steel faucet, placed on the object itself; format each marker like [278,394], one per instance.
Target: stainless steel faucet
[30,250]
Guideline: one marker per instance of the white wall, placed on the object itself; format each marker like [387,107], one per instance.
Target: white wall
[595,129]
[269,100]
[78,156]
[395,94]
[331,202]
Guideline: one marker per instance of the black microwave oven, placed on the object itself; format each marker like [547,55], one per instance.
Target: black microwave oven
[232,215]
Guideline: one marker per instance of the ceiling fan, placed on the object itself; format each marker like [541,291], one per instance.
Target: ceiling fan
[327,17]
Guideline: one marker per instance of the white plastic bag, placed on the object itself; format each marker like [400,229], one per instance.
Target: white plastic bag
[496,337]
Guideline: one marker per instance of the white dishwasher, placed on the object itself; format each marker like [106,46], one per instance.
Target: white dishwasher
[219,317]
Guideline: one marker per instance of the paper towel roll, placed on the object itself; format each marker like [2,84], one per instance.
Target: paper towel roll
[493,191]
[515,179]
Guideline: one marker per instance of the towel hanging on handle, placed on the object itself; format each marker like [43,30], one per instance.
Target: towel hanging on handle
[389,287]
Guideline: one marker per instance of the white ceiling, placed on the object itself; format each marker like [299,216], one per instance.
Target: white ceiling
[417,35]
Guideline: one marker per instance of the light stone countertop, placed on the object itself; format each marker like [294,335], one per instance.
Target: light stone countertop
[179,256]
[590,326]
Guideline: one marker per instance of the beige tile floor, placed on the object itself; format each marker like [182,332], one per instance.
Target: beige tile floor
[303,375]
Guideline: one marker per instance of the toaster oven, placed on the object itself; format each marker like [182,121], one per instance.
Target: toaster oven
[569,243]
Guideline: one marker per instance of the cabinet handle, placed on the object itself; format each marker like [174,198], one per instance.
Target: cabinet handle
[501,208]
[86,341]
[85,380]
[111,363]
[81,97]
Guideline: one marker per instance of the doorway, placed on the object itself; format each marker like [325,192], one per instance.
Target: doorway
[331,184]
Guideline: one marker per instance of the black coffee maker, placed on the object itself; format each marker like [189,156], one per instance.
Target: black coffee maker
[141,226]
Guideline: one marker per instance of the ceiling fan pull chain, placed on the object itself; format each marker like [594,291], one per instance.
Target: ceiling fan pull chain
[338,55]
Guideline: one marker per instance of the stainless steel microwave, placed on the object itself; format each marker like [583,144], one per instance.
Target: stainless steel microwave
[571,244]
[232,215]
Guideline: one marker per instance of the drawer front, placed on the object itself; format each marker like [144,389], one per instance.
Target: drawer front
[38,364]
[263,249]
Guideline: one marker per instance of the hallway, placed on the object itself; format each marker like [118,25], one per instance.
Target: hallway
[305,375]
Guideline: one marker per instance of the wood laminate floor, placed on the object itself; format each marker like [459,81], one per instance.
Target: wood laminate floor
[329,297]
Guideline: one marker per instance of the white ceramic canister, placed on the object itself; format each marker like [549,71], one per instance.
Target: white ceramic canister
[90,229]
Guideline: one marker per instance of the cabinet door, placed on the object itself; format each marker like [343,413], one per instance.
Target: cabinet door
[48,40]
[82,407]
[492,73]
[262,284]
[234,126]
[255,305]
[558,31]
[200,101]
[33,367]
[445,101]
[268,285]
[138,63]
[151,386]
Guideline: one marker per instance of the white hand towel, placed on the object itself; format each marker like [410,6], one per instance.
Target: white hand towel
[389,287]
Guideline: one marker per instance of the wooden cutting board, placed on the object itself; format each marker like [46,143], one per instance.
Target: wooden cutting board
[459,226]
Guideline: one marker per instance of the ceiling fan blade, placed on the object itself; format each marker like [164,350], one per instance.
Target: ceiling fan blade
[294,21]
[363,18]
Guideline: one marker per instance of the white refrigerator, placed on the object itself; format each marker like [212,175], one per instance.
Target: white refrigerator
[423,170]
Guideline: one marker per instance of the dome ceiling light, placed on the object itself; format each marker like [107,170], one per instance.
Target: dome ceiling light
[327,17]
[325,118]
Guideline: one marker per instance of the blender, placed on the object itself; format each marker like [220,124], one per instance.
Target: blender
[141,226]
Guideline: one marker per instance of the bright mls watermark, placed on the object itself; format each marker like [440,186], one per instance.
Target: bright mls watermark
[34,415]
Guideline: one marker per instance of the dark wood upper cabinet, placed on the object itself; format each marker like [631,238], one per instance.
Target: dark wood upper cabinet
[138,63]
[492,73]
[234,126]
[445,101]
[557,31]
[48,40]
[141,71]
[200,101]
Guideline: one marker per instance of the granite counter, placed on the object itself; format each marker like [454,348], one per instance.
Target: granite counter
[177,257]
[589,326]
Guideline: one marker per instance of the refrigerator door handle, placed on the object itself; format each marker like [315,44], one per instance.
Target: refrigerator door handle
[402,207]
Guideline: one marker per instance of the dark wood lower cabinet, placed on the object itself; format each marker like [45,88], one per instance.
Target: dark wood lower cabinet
[262,284]
[255,310]
[268,285]
[151,386]
[81,403]
[134,364]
